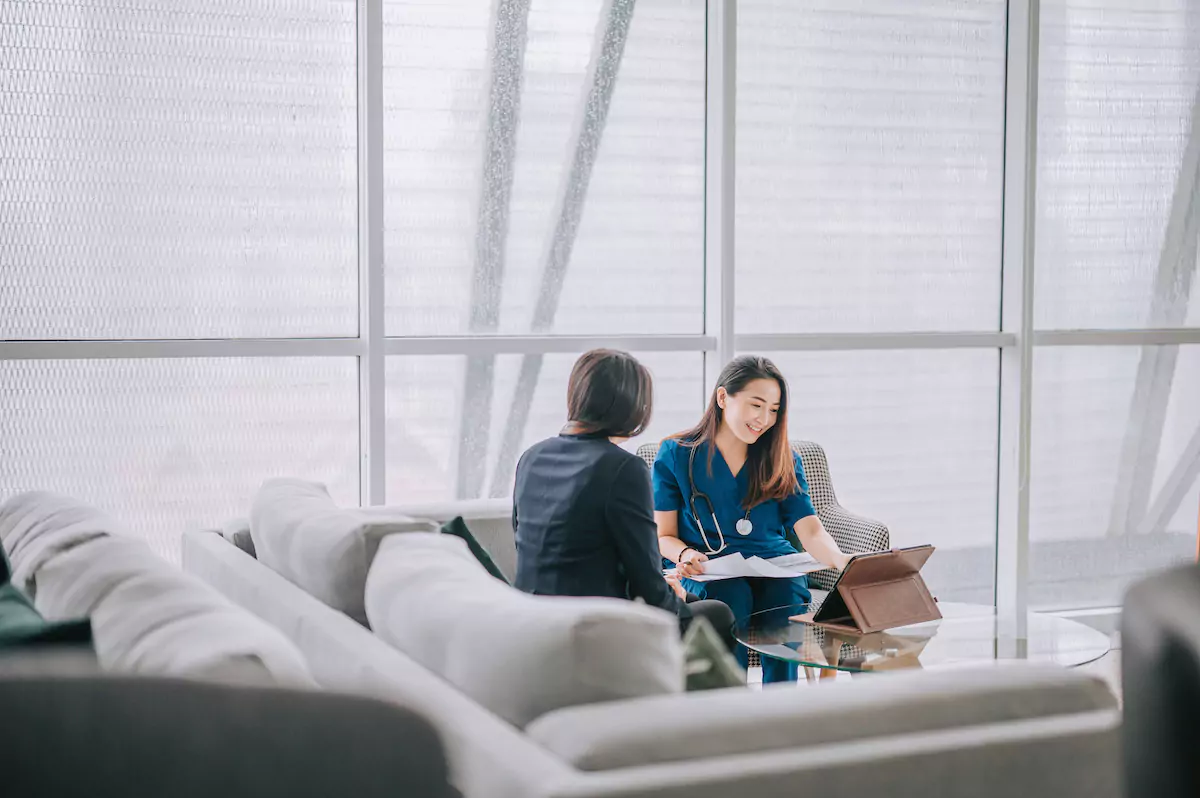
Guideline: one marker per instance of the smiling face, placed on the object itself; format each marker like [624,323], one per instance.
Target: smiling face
[752,411]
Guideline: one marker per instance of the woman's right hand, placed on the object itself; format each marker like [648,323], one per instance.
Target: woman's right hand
[691,562]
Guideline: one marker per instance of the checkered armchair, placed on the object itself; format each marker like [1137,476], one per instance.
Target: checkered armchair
[854,534]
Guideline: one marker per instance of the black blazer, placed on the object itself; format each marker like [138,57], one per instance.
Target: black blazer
[584,521]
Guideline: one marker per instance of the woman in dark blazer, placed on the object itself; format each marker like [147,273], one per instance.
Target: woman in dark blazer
[583,510]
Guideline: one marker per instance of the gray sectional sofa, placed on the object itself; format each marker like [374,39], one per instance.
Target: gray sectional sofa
[993,731]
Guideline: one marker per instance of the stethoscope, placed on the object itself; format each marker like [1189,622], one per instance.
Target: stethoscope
[744,526]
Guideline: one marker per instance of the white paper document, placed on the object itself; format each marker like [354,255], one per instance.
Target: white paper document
[788,566]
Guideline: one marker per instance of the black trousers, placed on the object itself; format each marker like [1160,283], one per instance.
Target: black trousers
[716,613]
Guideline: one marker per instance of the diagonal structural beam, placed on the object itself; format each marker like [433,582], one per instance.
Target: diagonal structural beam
[1156,369]
[1174,489]
[509,36]
[612,31]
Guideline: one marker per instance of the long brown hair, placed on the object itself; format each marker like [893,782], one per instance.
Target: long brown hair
[609,393]
[772,467]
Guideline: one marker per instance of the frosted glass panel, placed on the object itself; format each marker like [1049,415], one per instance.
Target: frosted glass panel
[177,170]
[1117,94]
[523,195]
[870,144]
[170,445]
[911,441]
[1103,452]
[425,417]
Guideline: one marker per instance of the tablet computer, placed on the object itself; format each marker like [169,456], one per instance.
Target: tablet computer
[880,590]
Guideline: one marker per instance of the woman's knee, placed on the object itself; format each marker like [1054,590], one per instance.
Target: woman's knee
[734,593]
[715,612]
[772,593]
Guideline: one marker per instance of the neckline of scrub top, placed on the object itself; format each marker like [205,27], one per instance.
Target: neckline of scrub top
[726,462]
[717,451]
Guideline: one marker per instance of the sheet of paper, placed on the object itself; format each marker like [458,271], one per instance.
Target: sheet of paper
[801,560]
[729,565]
[788,566]
[761,567]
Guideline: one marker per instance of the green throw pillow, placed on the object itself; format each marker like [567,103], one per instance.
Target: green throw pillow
[708,664]
[22,625]
[458,528]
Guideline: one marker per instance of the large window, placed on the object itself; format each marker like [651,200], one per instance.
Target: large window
[545,167]
[177,171]
[1117,151]
[363,241]
[1116,421]
[167,445]
[1114,468]
[870,165]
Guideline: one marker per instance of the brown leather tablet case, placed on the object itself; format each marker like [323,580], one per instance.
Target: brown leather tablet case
[880,590]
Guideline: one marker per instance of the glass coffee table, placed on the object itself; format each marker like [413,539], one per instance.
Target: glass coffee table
[966,634]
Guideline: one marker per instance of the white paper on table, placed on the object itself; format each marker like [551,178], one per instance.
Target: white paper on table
[734,565]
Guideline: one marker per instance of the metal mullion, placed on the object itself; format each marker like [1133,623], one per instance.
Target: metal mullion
[545,344]
[769,342]
[1017,296]
[372,386]
[719,184]
[1128,337]
[143,349]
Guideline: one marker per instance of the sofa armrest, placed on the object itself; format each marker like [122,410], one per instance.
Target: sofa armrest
[645,731]
[1065,756]
[74,733]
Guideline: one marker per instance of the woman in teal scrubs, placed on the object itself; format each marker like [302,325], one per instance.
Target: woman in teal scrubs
[732,484]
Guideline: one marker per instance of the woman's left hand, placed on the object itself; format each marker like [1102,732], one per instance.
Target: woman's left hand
[673,581]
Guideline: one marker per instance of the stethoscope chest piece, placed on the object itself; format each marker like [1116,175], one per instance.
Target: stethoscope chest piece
[744,526]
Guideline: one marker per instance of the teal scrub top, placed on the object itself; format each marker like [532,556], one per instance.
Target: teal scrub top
[673,490]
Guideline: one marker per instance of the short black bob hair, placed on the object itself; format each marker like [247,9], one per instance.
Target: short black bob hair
[610,393]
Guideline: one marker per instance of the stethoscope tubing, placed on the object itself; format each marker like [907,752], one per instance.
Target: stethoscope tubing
[695,494]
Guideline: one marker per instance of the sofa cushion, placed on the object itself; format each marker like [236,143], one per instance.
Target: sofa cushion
[147,616]
[36,527]
[516,654]
[299,532]
[736,721]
